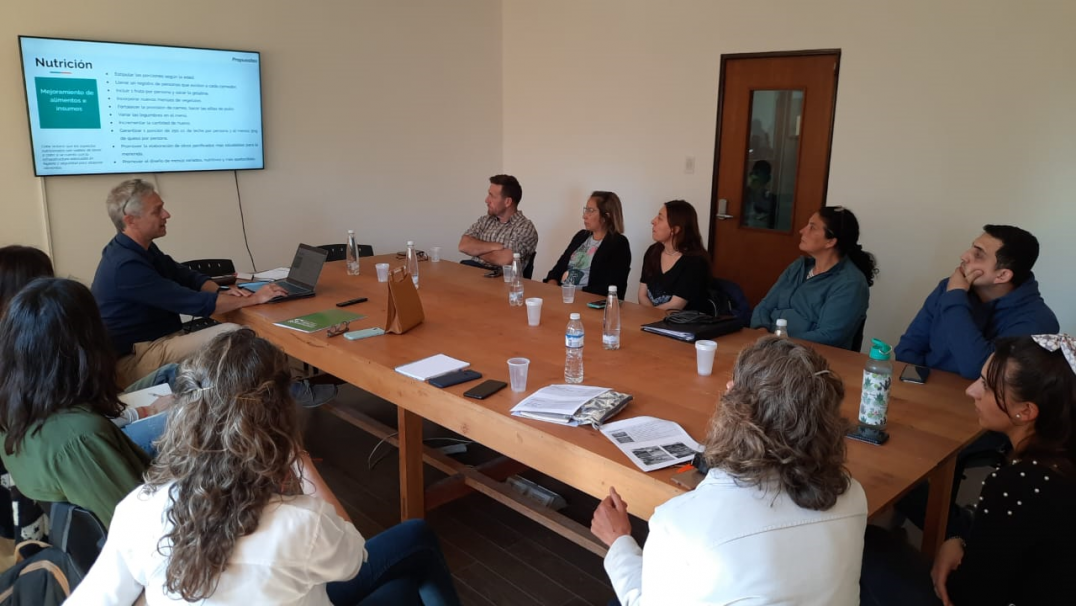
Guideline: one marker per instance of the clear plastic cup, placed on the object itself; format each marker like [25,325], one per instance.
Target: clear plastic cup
[435,254]
[517,373]
[382,272]
[506,270]
[704,357]
[567,292]
[534,311]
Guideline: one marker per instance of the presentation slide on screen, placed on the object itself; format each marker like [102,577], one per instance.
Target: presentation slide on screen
[99,107]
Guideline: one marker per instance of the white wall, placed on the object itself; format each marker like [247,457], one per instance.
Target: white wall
[381,116]
[949,115]
[387,117]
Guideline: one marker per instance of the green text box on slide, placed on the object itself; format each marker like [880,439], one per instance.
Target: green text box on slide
[67,103]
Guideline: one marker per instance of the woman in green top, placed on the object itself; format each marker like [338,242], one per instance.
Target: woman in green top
[57,396]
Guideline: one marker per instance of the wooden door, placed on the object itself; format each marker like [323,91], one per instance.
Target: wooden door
[771,161]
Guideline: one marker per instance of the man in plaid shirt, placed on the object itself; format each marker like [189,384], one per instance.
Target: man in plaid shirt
[503,230]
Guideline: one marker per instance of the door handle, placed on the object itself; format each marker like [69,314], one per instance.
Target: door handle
[722,208]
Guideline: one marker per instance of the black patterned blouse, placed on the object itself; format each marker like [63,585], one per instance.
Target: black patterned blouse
[1021,549]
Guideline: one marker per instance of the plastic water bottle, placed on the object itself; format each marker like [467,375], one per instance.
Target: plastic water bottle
[515,288]
[573,350]
[352,254]
[877,379]
[781,330]
[611,321]
[412,262]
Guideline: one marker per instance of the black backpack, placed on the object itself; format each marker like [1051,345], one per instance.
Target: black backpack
[78,533]
[42,576]
[726,298]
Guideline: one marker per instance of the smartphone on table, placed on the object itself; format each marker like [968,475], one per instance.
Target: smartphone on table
[915,374]
[599,304]
[868,434]
[485,390]
[455,378]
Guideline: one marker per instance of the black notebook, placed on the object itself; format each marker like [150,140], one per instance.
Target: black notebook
[691,332]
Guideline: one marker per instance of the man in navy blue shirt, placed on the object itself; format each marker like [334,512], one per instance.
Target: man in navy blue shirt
[991,294]
[141,291]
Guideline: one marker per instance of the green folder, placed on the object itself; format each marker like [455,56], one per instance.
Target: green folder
[320,320]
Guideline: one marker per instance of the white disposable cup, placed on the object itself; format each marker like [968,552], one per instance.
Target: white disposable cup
[517,373]
[382,272]
[534,311]
[704,357]
[567,292]
[435,254]
[506,270]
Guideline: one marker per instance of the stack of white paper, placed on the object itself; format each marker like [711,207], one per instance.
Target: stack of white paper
[557,403]
[270,274]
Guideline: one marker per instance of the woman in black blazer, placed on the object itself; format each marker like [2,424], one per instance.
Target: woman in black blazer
[599,256]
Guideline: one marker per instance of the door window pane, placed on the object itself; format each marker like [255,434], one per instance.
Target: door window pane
[772,153]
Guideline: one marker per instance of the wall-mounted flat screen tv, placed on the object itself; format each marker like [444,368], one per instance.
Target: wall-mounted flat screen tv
[109,107]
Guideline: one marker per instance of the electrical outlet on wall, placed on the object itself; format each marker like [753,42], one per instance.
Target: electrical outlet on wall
[689,165]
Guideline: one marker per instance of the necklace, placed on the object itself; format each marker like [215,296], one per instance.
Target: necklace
[671,254]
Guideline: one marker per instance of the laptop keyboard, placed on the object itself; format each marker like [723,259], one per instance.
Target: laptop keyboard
[292,289]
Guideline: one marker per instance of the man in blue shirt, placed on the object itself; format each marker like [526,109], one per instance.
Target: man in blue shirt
[141,291]
[991,294]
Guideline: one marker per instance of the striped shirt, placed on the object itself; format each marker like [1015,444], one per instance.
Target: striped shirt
[517,234]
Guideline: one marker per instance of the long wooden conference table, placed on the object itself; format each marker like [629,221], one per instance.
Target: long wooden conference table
[468,317]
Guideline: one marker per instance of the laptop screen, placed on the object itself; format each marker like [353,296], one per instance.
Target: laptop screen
[306,267]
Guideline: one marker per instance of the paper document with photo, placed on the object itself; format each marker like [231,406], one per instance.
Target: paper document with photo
[145,397]
[557,403]
[652,443]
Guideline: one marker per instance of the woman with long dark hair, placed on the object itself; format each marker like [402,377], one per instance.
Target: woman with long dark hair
[824,294]
[676,269]
[58,395]
[599,255]
[21,518]
[234,512]
[20,265]
[777,520]
[1021,544]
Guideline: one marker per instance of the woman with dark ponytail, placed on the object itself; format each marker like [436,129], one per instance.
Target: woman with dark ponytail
[824,295]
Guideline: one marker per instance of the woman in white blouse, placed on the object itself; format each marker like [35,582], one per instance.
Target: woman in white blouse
[233,511]
[777,520]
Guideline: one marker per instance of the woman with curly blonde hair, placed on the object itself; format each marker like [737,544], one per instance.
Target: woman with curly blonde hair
[234,512]
[777,520]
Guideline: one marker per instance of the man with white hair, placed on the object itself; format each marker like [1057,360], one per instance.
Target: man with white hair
[141,291]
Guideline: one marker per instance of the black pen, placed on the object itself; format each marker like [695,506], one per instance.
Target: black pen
[351,302]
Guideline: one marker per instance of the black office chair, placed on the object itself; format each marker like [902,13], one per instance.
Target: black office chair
[857,340]
[221,271]
[338,252]
[76,532]
[528,265]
